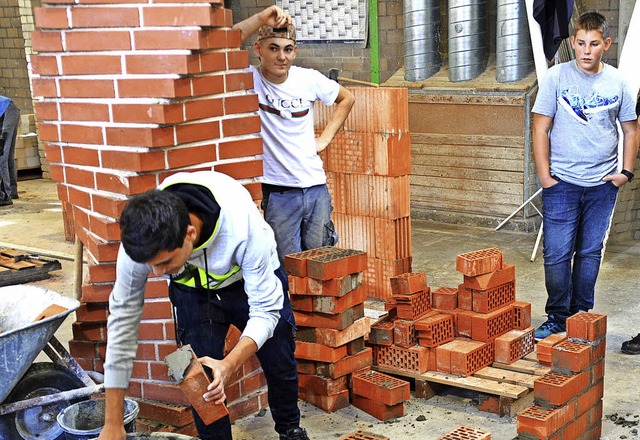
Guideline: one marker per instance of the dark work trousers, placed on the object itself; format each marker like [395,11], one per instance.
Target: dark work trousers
[203,320]
[8,171]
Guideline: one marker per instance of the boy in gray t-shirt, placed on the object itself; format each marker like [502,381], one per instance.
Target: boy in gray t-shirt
[575,143]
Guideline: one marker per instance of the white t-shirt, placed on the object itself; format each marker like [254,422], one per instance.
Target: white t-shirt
[286,115]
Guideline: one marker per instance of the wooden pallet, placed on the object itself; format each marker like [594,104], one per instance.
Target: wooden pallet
[504,389]
[18,267]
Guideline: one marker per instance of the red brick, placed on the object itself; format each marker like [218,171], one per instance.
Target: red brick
[380,387]
[544,422]
[45,65]
[465,298]
[337,263]
[444,298]
[336,338]
[479,262]
[87,88]
[382,332]
[487,327]
[378,410]
[240,148]
[408,283]
[339,321]
[466,433]
[435,329]
[333,305]
[521,315]
[296,264]
[575,428]
[571,356]
[98,17]
[322,385]
[81,41]
[555,388]
[414,306]
[486,301]
[586,326]
[204,108]
[590,397]
[404,333]
[46,41]
[51,18]
[319,352]
[161,412]
[414,359]
[363,435]
[465,356]
[346,365]
[514,345]
[91,65]
[544,348]
[326,403]
[337,287]
[89,331]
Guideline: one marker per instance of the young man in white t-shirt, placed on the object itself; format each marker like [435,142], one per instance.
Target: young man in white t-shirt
[296,201]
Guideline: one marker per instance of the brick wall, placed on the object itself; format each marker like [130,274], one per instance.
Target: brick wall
[127,94]
[14,79]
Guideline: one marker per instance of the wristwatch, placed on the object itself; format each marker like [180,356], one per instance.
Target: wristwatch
[629,175]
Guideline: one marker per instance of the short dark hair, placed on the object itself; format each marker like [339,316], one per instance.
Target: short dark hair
[592,21]
[153,222]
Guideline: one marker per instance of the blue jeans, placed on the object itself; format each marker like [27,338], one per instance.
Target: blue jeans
[300,217]
[8,172]
[575,222]
[203,320]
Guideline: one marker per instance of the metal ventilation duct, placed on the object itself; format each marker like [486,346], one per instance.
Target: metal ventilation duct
[514,54]
[421,39]
[468,39]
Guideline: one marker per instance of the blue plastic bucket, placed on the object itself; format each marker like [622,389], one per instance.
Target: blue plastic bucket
[84,420]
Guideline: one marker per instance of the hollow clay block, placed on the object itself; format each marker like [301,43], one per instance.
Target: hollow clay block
[189,374]
[52,310]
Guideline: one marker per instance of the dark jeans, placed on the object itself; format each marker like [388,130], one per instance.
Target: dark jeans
[8,172]
[204,317]
[575,222]
[300,217]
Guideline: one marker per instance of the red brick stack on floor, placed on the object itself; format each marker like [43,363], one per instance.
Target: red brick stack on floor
[568,400]
[466,433]
[327,296]
[126,94]
[455,330]
[368,166]
[379,394]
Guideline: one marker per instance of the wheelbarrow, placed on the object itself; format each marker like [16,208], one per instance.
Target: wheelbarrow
[32,394]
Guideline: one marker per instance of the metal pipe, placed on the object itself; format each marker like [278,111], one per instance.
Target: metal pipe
[514,52]
[422,56]
[467,43]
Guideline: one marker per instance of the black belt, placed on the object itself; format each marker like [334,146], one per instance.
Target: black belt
[268,188]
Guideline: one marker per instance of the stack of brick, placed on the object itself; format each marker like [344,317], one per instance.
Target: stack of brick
[490,324]
[466,433]
[363,435]
[568,400]
[368,166]
[125,96]
[327,297]
[394,338]
[378,394]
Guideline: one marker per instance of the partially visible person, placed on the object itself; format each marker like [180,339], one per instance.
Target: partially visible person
[575,142]
[296,201]
[9,120]
[633,345]
[205,234]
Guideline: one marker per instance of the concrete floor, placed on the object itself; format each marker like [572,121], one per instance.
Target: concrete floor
[35,223]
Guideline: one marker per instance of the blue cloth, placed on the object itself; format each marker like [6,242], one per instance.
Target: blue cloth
[8,171]
[300,218]
[4,103]
[576,220]
[203,320]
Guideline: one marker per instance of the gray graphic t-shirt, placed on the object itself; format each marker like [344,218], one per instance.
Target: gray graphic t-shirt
[584,108]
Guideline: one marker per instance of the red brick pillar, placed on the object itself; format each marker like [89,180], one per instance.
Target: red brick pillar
[127,93]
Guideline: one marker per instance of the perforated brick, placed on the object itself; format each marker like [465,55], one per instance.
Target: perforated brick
[556,388]
[465,298]
[408,283]
[296,264]
[380,387]
[485,301]
[404,333]
[544,422]
[326,403]
[382,332]
[464,356]
[487,327]
[479,262]
[444,298]
[414,306]
[339,286]
[466,433]
[571,356]
[544,348]
[377,409]
[521,314]
[363,435]
[491,279]
[414,359]
[337,263]
[586,326]
[434,329]
[514,345]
